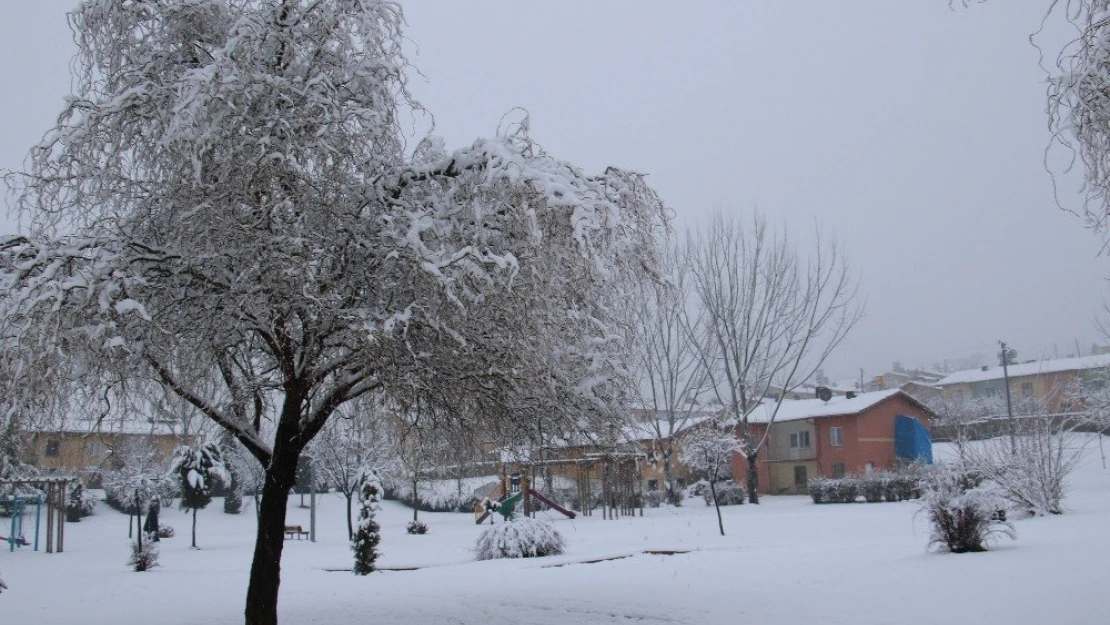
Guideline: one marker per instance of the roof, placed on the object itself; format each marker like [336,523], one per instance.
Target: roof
[1027,369]
[793,410]
[135,425]
[645,429]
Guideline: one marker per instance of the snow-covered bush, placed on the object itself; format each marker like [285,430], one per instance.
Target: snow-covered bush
[964,514]
[728,494]
[165,531]
[522,537]
[417,527]
[1031,470]
[654,498]
[872,487]
[834,490]
[80,503]
[144,555]
[447,495]
[368,533]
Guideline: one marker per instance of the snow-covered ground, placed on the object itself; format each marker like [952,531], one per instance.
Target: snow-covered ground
[786,561]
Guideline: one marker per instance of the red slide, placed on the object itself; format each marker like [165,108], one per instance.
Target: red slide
[551,504]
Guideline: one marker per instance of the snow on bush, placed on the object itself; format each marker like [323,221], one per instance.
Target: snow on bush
[965,513]
[144,554]
[80,503]
[1031,470]
[417,527]
[522,537]
[877,486]
[654,498]
[448,495]
[729,493]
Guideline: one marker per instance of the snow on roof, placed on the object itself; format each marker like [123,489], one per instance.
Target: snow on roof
[135,425]
[792,410]
[645,429]
[1028,368]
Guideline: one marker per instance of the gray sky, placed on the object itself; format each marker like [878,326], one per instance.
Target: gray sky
[914,132]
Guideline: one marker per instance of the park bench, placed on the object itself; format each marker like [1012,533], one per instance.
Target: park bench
[295,530]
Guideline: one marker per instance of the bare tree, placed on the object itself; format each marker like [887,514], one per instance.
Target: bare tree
[670,373]
[227,208]
[771,318]
[360,436]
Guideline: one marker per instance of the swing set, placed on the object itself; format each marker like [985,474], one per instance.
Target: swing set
[37,494]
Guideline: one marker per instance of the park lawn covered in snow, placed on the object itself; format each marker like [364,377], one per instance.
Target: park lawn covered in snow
[785,561]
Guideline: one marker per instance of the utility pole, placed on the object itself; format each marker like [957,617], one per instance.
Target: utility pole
[1009,406]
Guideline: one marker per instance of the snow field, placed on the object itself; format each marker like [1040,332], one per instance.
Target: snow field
[786,561]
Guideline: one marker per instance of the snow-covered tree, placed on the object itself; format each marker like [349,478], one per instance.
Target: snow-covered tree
[366,538]
[708,449]
[197,470]
[137,478]
[228,206]
[772,317]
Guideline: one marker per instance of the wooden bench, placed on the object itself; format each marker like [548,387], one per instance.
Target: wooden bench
[295,530]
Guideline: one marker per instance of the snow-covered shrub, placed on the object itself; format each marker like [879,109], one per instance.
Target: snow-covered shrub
[522,537]
[872,487]
[447,495]
[1031,471]
[728,494]
[834,490]
[165,531]
[368,533]
[901,487]
[144,555]
[963,517]
[654,498]
[417,527]
[80,503]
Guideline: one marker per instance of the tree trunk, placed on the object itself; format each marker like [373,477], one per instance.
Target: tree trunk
[194,528]
[265,578]
[713,490]
[668,474]
[415,497]
[350,526]
[753,479]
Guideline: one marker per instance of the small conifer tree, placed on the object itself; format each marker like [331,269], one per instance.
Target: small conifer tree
[368,533]
[197,469]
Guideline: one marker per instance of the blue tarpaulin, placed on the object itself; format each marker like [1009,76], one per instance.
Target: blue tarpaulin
[912,441]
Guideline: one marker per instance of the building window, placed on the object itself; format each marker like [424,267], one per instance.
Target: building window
[799,440]
[1026,389]
[52,447]
[836,436]
[868,468]
[838,469]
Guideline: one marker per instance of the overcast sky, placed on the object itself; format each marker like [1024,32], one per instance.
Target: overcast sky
[914,132]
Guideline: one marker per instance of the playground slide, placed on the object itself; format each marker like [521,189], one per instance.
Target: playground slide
[551,504]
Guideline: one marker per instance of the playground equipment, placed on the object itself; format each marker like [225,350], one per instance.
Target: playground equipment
[514,489]
[17,507]
[48,493]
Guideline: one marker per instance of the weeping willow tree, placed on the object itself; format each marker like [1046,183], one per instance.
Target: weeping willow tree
[227,209]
